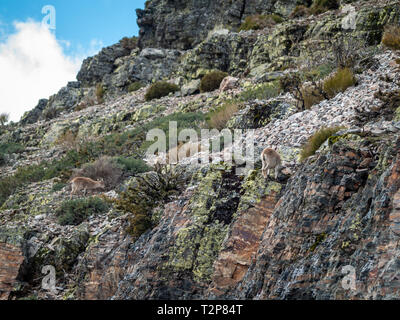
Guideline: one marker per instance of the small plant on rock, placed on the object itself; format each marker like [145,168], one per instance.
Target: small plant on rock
[339,82]
[316,140]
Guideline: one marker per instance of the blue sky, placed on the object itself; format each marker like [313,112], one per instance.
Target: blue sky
[37,61]
[77,21]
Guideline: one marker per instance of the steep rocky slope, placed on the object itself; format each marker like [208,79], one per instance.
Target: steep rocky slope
[214,233]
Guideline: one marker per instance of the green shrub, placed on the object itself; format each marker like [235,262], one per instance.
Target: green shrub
[10,147]
[339,82]
[160,89]
[58,186]
[316,140]
[264,91]
[131,165]
[391,37]
[74,212]
[135,86]
[321,6]
[217,119]
[258,22]
[212,80]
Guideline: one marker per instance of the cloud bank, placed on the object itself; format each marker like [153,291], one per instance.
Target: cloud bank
[32,66]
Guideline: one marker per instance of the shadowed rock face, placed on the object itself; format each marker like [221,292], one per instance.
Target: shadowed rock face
[182,24]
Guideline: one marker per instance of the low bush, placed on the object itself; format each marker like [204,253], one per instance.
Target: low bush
[258,22]
[217,119]
[10,147]
[135,86]
[160,89]
[74,212]
[339,82]
[212,81]
[316,140]
[391,37]
[131,165]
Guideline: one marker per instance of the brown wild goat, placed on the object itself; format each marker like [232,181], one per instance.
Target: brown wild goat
[85,184]
[270,160]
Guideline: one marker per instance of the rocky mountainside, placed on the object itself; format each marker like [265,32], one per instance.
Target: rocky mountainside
[197,230]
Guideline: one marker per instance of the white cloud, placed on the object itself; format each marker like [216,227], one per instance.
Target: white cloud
[32,66]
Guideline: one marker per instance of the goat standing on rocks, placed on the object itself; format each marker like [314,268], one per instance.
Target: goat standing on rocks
[82,183]
[270,160]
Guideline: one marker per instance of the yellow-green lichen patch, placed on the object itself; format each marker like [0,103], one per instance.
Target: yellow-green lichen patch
[254,188]
[197,245]
[210,244]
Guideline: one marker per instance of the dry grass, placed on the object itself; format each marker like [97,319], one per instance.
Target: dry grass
[339,82]
[316,140]
[219,118]
[391,37]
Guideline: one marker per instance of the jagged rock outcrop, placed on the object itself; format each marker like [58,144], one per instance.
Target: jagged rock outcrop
[182,24]
[95,68]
